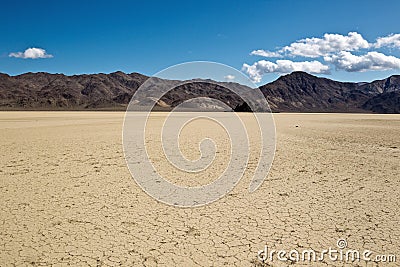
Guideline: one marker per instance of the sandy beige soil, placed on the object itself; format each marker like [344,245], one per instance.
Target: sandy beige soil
[67,197]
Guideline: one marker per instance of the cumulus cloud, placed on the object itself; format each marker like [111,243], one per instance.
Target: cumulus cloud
[371,61]
[259,68]
[330,43]
[265,53]
[32,53]
[229,77]
[351,53]
[392,40]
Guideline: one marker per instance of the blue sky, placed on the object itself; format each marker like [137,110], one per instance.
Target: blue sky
[148,36]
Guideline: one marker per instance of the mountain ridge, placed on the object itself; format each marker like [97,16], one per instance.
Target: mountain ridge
[294,92]
[300,91]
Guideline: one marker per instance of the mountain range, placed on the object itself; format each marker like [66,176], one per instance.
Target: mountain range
[295,92]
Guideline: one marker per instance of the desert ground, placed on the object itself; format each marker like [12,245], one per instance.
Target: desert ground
[67,197]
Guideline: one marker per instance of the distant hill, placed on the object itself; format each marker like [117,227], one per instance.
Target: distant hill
[302,92]
[295,92]
[60,92]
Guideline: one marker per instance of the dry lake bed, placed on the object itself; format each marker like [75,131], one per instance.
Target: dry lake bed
[67,197]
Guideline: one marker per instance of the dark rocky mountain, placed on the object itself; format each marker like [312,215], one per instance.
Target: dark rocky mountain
[58,91]
[384,103]
[44,91]
[295,92]
[388,99]
[302,92]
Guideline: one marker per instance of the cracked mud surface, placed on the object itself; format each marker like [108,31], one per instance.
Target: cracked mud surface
[67,197]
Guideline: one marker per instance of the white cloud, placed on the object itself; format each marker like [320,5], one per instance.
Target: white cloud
[229,77]
[392,40]
[32,53]
[332,49]
[371,61]
[259,68]
[330,43]
[265,53]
